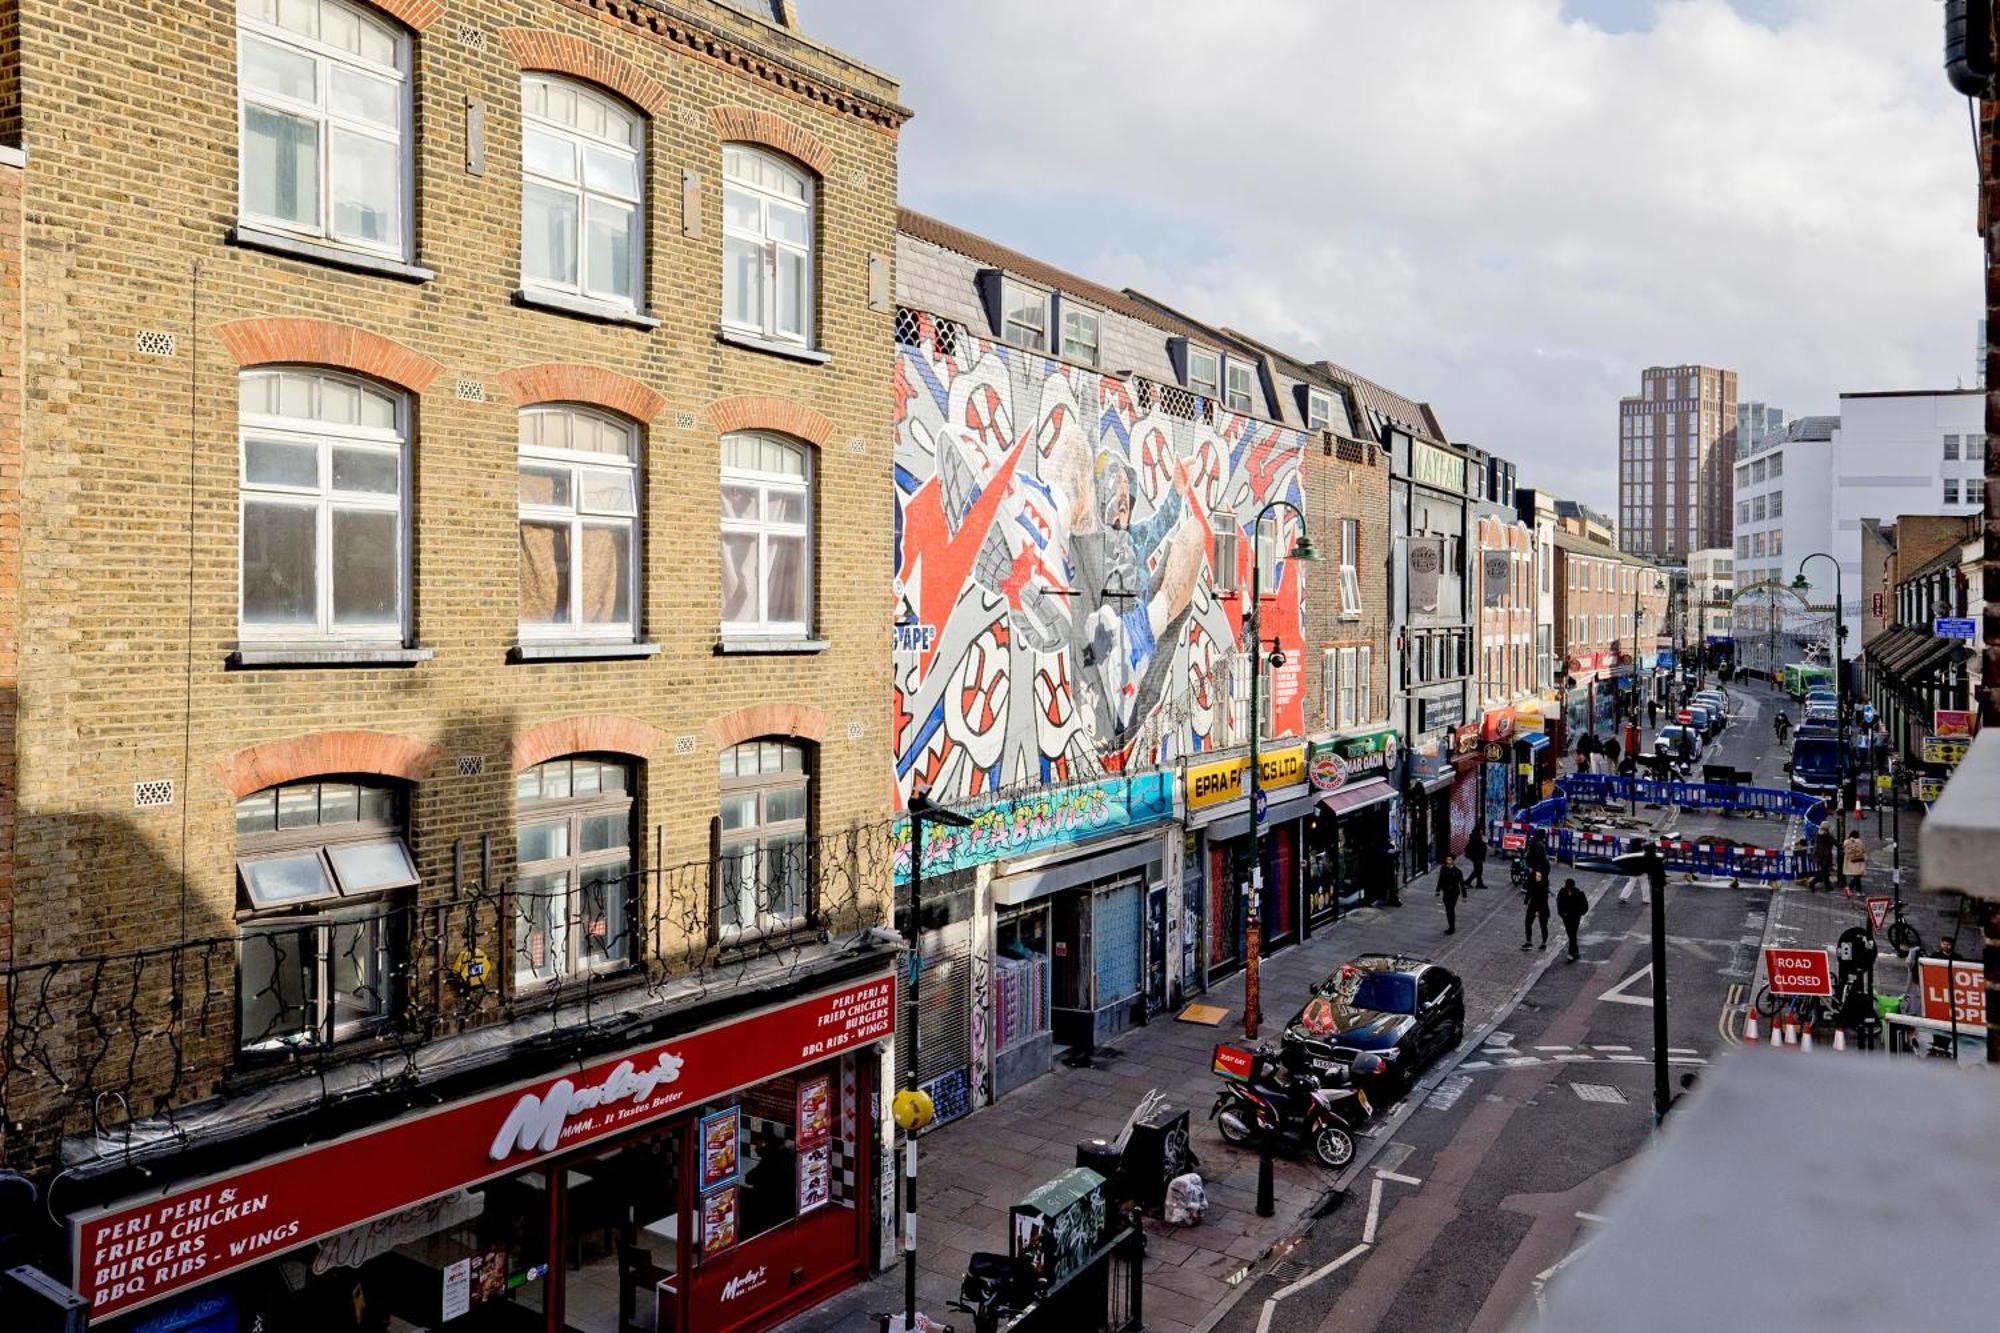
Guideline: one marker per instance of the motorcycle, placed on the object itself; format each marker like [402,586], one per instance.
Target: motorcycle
[1291,1111]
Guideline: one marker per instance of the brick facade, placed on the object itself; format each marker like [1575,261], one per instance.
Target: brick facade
[128,512]
[1347,479]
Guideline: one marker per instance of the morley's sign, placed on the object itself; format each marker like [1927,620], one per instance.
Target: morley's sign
[1215,783]
[143,1249]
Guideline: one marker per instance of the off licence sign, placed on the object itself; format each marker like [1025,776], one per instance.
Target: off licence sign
[1799,971]
[1967,993]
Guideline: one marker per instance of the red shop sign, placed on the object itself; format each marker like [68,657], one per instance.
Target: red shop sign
[138,1251]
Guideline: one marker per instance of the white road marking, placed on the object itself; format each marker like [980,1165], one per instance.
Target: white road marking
[1617,995]
[1323,1271]
[1374,1211]
[1399,1179]
[1635,1059]
[1611,1048]
[1589,1217]
[1474,1064]
[1581,1056]
[1553,1048]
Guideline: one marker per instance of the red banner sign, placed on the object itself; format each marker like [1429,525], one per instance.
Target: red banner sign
[1968,992]
[138,1251]
[1799,971]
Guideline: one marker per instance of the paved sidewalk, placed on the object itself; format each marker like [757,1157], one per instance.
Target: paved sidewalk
[971,1171]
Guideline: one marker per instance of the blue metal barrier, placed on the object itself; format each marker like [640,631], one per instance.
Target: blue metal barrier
[1717,858]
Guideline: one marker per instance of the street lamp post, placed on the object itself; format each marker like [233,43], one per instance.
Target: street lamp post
[922,811]
[1254,912]
[1801,583]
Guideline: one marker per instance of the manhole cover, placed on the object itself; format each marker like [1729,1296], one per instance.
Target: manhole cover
[1598,1092]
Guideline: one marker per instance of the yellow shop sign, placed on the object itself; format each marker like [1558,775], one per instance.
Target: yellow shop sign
[1214,783]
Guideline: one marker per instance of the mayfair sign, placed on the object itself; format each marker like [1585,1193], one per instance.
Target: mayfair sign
[1436,467]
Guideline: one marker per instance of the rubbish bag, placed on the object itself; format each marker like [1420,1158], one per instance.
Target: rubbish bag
[1186,1200]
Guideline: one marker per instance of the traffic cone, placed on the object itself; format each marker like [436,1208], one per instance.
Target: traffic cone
[1750,1026]
[1840,1039]
[1791,1032]
[1805,1038]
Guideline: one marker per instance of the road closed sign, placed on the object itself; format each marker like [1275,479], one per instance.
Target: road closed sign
[1966,992]
[1799,971]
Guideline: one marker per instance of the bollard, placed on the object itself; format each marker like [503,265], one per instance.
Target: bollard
[1267,1190]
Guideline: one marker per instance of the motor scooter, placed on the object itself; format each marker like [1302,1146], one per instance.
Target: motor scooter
[1290,1111]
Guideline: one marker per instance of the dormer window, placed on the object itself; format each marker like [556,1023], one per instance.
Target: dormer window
[1236,395]
[1079,335]
[1024,316]
[1204,372]
[1319,410]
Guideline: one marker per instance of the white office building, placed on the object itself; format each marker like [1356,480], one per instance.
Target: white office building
[1910,452]
[1784,500]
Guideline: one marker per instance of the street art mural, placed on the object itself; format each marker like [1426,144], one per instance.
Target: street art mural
[1056,608]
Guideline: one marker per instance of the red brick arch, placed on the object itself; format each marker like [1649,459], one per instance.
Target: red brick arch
[557,383]
[752,412]
[416,15]
[275,762]
[603,733]
[799,721]
[560,53]
[742,124]
[319,342]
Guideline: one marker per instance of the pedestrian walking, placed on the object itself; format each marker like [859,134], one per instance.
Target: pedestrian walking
[1853,862]
[1537,896]
[1570,906]
[1451,883]
[1822,872]
[1475,852]
[1653,714]
[1612,749]
[1537,858]
[1388,875]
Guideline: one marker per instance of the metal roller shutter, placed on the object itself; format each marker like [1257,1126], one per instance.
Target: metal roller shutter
[944,1021]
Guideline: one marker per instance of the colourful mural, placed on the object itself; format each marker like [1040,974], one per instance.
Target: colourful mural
[1056,613]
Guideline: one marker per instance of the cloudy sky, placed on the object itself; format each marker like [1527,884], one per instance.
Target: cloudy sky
[1505,207]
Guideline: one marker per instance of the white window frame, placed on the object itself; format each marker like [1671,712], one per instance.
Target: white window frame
[1348,715]
[1031,334]
[1233,398]
[772,247]
[1204,372]
[1086,351]
[578,518]
[1350,576]
[753,837]
[251,25]
[1226,542]
[763,528]
[1319,410]
[581,142]
[324,438]
[1267,549]
[566,945]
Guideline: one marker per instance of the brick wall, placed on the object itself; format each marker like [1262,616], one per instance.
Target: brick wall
[11,365]
[128,525]
[1342,483]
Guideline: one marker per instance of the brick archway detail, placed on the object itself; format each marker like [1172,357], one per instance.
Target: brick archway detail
[800,721]
[603,733]
[560,53]
[742,124]
[554,382]
[275,762]
[319,342]
[416,15]
[751,412]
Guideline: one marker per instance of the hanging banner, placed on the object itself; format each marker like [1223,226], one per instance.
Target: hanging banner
[1951,722]
[1498,568]
[1426,561]
[1038,821]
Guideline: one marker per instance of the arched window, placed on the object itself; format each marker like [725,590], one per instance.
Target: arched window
[573,858]
[324,490]
[325,91]
[579,524]
[767,245]
[767,576]
[322,867]
[582,215]
[766,809]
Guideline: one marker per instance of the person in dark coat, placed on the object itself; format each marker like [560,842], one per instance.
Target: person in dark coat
[1823,858]
[1570,906]
[1653,714]
[1612,749]
[1388,875]
[1537,895]
[1475,852]
[1537,858]
[1451,883]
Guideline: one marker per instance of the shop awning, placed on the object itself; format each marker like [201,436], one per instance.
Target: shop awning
[1361,794]
[1124,854]
[1277,812]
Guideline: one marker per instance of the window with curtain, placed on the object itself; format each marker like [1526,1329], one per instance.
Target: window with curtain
[322,869]
[766,536]
[767,246]
[1350,566]
[579,503]
[573,855]
[322,500]
[324,88]
[582,181]
[766,812]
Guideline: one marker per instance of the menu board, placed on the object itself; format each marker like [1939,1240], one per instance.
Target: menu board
[718,1220]
[815,1177]
[815,1111]
[721,1136]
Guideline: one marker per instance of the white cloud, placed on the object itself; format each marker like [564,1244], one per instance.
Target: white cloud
[1479,202]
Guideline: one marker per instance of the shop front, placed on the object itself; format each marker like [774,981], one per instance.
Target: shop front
[1216,800]
[1349,856]
[1496,735]
[721,1179]
[1466,756]
[1428,778]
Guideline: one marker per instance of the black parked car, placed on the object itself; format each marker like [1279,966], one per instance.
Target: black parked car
[1407,1010]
